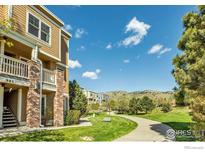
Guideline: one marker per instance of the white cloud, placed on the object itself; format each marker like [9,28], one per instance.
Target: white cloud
[126,61]
[98,70]
[109,46]
[74,64]
[81,48]
[165,50]
[155,49]
[80,32]
[137,29]
[68,27]
[158,49]
[91,75]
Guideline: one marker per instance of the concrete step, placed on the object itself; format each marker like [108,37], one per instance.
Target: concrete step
[10,125]
[8,115]
[8,118]
[9,121]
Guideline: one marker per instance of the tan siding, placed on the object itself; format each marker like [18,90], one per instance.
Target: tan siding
[3,12]
[64,50]
[19,50]
[20,14]
[64,58]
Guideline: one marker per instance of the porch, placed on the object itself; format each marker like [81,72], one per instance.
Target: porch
[16,71]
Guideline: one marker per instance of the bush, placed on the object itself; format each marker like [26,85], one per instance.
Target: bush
[135,106]
[94,107]
[147,104]
[122,106]
[72,117]
[166,107]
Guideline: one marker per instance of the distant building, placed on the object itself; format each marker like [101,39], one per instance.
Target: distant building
[94,97]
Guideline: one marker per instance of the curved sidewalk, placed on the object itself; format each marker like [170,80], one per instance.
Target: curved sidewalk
[147,130]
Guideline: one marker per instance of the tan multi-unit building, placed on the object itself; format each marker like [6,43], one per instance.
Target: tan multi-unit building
[94,97]
[34,71]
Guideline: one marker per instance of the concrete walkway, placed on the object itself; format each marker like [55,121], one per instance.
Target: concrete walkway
[147,130]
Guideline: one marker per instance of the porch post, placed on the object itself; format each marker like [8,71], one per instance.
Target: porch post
[19,107]
[58,117]
[2,45]
[34,54]
[1,104]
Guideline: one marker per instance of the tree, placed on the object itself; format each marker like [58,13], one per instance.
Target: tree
[6,26]
[112,104]
[180,95]
[147,104]
[122,106]
[77,99]
[94,107]
[135,106]
[189,67]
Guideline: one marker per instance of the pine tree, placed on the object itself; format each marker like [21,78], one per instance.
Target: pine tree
[77,99]
[189,70]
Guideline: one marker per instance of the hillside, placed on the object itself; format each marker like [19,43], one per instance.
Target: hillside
[155,95]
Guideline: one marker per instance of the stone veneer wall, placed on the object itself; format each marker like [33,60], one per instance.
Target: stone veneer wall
[58,117]
[33,96]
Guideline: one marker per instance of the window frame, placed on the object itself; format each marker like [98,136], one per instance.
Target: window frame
[49,34]
[39,31]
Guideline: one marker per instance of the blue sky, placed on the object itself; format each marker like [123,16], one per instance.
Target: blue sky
[123,47]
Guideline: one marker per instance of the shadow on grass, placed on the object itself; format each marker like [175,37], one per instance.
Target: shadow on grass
[181,126]
[160,128]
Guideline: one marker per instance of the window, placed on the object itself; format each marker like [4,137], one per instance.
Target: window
[43,106]
[38,28]
[33,25]
[45,32]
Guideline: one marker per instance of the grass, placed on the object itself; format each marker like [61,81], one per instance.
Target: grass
[179,119]
[100,131]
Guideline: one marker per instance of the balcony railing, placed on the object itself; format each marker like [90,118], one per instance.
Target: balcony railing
[49,76]
[13,67]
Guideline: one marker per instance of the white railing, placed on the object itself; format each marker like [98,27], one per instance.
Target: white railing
[14,67]
[49,76]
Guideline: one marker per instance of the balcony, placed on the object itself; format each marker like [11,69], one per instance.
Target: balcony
[49,77]
[13,71]
[13,67]
[16,71]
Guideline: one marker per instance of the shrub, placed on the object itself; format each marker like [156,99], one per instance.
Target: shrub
[166,107]
[72,117]
[94,107]
[147,104]
[135,106]
[122,106]
[112,105]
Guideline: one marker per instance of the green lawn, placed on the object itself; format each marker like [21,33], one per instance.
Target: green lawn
[100,131]
[179,119]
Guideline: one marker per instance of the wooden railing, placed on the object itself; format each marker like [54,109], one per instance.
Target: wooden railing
[49,76]
[14,67]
